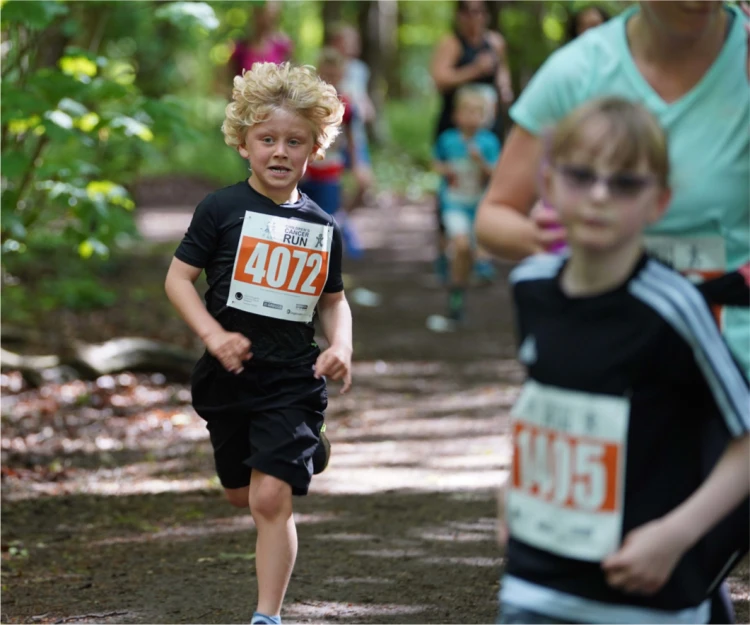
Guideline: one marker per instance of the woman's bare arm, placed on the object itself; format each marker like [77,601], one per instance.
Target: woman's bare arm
[503,226]
[444,72]
[502,78]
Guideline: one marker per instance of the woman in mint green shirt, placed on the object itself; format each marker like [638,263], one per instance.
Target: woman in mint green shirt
[687,62]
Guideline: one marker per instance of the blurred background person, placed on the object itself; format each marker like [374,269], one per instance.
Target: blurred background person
[355,85]
[582,20]
[322,182]
[265,43]
[464,159]
[471,54]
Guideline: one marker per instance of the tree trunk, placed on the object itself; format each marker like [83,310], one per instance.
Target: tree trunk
[88,362]
[379,49]
[331,15]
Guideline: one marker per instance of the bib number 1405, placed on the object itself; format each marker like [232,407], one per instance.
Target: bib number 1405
[565,471]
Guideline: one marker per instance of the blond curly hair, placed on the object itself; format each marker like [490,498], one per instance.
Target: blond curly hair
[297,89]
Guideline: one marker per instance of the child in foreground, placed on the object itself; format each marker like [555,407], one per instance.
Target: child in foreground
[464,157]
[610,514]
[273,261]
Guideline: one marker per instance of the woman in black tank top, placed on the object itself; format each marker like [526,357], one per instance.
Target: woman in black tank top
[472,55]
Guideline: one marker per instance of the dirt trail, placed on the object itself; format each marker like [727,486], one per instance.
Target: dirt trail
[399,529]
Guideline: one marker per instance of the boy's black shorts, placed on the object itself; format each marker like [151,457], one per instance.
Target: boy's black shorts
[264,418]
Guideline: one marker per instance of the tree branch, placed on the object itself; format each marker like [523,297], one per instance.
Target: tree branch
[29,176]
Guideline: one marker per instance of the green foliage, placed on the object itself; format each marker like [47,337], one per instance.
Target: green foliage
[53,273]
[75,122]
[100,93]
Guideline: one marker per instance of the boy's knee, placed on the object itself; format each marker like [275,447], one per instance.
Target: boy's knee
[270,497]
[238,497]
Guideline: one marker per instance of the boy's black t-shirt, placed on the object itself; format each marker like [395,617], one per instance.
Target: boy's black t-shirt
[211,243]
[649,357]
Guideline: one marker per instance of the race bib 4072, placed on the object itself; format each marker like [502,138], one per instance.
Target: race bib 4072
[280,267]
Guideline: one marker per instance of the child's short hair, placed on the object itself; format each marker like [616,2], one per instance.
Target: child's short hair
[299,90]
[331,57]
[619,130]
[472,93]
[481,94]
[340,29]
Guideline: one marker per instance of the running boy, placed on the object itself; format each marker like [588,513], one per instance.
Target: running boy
[272,259]
[610,517]
[464,158]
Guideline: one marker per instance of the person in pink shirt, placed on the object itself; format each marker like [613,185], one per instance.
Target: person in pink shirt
[265,44]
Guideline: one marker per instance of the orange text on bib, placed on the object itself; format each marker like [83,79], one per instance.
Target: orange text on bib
[577,473]
[282,267]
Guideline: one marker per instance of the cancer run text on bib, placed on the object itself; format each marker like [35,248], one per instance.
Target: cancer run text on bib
[281,267]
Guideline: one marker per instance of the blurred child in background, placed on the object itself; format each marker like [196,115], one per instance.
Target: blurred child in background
[355,85]
[322,183]
[464,158]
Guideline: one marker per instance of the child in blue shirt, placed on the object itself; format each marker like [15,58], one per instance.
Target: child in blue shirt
[464,158]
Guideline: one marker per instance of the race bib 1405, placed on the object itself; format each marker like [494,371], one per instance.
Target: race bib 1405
[567,479]
[281,267]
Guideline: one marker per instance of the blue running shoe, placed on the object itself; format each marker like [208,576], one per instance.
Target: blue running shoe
[484,271]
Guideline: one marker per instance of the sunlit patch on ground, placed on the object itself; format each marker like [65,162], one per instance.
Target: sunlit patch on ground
[318,611]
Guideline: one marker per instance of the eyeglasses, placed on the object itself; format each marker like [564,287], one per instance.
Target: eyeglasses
[623,185]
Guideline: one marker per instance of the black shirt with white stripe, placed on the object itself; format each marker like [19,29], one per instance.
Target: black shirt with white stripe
[653,341]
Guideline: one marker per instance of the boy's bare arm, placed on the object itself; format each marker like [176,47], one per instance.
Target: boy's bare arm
[649,553]
[444,170]
[232,349]
[336,323]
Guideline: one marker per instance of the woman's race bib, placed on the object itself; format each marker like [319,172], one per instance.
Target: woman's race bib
[698,258]
[567,480]
[281,267]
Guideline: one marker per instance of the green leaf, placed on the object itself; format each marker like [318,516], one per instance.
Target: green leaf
[14,164]
[75,51]
[60,118]
[132,128]
[53,86]
[14,224]
[89,247]
[72,107]
[20,104]
[102,89]
[186,14]
[34,15]
[71,27]
[81,68]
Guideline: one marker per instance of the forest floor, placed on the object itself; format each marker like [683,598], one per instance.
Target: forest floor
[112,514]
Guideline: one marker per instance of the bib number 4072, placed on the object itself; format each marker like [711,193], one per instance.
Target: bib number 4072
[280,266]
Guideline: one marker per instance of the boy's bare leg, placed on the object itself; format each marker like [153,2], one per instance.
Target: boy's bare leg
[238,497]
[276,547]
[461,262]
